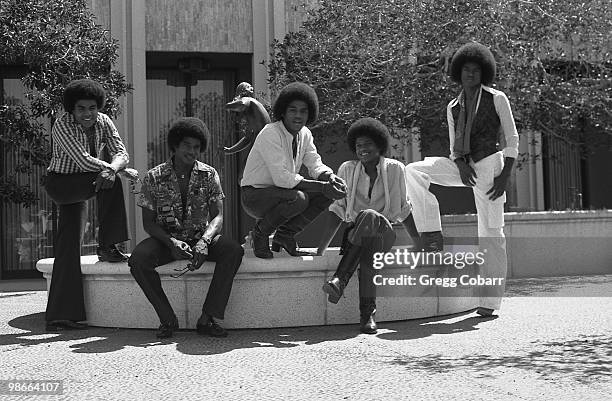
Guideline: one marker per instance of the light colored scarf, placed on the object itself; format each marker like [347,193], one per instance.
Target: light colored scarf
[355,179]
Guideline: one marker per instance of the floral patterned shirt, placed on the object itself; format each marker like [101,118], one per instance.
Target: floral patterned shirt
[161,193]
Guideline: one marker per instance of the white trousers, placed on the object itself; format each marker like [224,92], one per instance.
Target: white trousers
[426,212]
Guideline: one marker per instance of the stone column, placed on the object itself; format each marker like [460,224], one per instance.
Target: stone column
[127,25]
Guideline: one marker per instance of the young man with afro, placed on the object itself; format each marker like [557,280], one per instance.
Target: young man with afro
[376,198]
[273,192]
[87,156]
[483,147]
[178,198]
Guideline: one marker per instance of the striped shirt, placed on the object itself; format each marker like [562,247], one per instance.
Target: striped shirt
[71,147]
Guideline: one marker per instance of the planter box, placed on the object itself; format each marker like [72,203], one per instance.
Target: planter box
[280,292]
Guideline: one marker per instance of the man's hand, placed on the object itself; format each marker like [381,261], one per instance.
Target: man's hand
[499,186]
[200,253]
[180,249]
[129,173]
[133,179]
[105,179]
[198,259]
[331,191]
[467,173]
[337,182]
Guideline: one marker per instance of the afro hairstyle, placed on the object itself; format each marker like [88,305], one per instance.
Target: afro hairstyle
[83,89]
[296,91]
[476,53]
[191,127]
[371,128]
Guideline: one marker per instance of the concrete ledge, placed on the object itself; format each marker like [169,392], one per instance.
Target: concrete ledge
[282,292]
[548,244]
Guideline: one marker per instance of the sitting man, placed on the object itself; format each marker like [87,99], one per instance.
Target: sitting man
[376,197]
[479,121]
[273,191]
[177,199]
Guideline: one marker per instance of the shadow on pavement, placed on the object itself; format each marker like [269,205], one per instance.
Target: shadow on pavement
[422,328]
[102,340]
[587,359]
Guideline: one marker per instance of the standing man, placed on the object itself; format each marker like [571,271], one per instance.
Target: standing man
[77,172]
[177,199]
[273,191]
[483,147]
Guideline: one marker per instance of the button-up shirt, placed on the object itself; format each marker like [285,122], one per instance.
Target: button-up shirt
[388,197]
[161,193]
[271,162]
[71,147]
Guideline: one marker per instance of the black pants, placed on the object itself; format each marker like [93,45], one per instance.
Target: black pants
[71,192]
[289,210]
[373,233]
[152,253]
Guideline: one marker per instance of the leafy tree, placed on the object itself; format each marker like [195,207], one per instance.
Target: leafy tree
[389,60]
[57,41]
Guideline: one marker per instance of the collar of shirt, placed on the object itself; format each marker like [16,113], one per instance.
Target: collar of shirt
[72,120]
[167,170]
[358,197]
[461,98]
[186,225]
[288,143]
[97,129]
[362,170]
[364,181]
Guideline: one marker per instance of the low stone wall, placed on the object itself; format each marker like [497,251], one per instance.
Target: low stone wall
[548,244]
[282,292]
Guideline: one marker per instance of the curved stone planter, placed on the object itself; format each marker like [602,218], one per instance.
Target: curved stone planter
[282,292]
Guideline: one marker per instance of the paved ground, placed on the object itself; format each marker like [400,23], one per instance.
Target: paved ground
[540,348]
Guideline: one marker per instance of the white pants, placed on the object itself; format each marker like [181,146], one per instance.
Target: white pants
[426,211]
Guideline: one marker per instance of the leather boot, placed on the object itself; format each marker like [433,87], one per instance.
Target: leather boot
[432,241]
[261,233]
[410,226]
[367,288]
[286,240]
[260,244]
[335,286]
[367,310]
